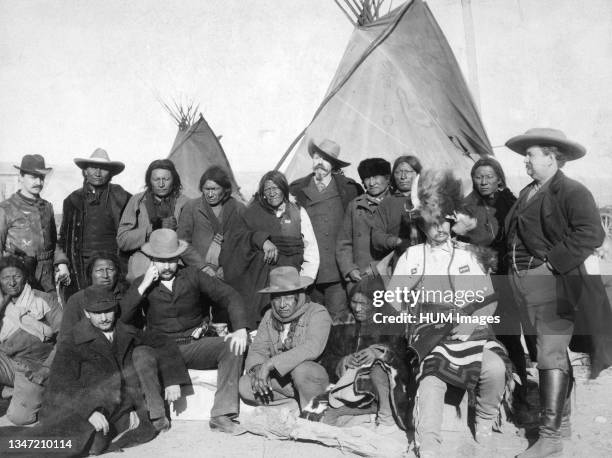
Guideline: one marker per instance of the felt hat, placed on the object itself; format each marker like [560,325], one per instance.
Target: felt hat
[99,158]
[328,150]
[285,279]
[164,244]
[372,167]
[99,299]
[545,136]
[33,164]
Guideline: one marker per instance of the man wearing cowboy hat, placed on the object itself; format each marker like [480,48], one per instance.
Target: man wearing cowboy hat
[170,297]
[552,229]
[91,215]
[325,194]
[27,226]
[281,363]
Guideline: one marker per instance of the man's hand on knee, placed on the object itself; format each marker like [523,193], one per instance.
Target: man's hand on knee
[238,342]
[99,422]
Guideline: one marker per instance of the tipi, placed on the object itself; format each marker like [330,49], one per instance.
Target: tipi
[398,90]
[195,149]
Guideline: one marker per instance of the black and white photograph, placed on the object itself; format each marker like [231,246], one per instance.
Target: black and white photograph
[331,228]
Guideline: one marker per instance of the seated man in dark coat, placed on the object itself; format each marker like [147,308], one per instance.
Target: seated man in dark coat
[93,396]
[104,271]
[170,297]
[375,351]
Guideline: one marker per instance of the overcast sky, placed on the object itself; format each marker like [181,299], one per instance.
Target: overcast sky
[76,75]
[80,74]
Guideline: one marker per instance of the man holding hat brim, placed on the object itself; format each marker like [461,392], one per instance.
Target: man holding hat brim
[27,226]
[176,302]
[282,361]
[325,194]
[552,229]
[93,389]
[91,215]
[353,246]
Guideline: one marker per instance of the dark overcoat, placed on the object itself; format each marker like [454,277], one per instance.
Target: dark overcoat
[198,225]
[86,377]
[572,227]
[348,189]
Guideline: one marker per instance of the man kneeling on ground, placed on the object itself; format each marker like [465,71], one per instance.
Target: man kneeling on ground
[290,338]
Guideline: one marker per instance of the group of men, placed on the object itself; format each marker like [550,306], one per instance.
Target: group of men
[112,380]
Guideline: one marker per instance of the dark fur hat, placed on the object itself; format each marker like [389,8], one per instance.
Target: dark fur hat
[439,195]
[373,166]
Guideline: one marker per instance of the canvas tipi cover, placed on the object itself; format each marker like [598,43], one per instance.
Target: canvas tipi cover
[398,90]
[195,149]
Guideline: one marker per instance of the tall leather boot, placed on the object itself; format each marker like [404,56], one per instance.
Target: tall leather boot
[566,425]
[553,392]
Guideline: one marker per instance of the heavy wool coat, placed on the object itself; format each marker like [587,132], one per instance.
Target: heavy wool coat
[348,189]
[572,227]
[71,231]
[353,245]
[86,377]
[198,226]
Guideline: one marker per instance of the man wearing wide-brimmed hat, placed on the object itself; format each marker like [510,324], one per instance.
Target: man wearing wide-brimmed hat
[91,215]
[552,229]
[177,302]
[27,226]
[282,361]
[325,194]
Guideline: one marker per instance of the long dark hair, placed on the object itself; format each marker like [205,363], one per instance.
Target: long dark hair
[96,256]
[165,164]
[490,162]
[219,176]
[412,161]
[279,180]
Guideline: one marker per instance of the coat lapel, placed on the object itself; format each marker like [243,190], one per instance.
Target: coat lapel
[206,211]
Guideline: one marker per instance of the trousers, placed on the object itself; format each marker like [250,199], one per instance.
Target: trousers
[306,381]
[547,319]
[214,353]
[429,403]
[27,396]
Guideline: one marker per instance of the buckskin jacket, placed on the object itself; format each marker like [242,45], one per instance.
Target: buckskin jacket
[71,230]
[27,229]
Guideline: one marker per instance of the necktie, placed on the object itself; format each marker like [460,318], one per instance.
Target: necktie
[320,185]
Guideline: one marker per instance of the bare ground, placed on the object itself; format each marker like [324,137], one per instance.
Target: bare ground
[591,424]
